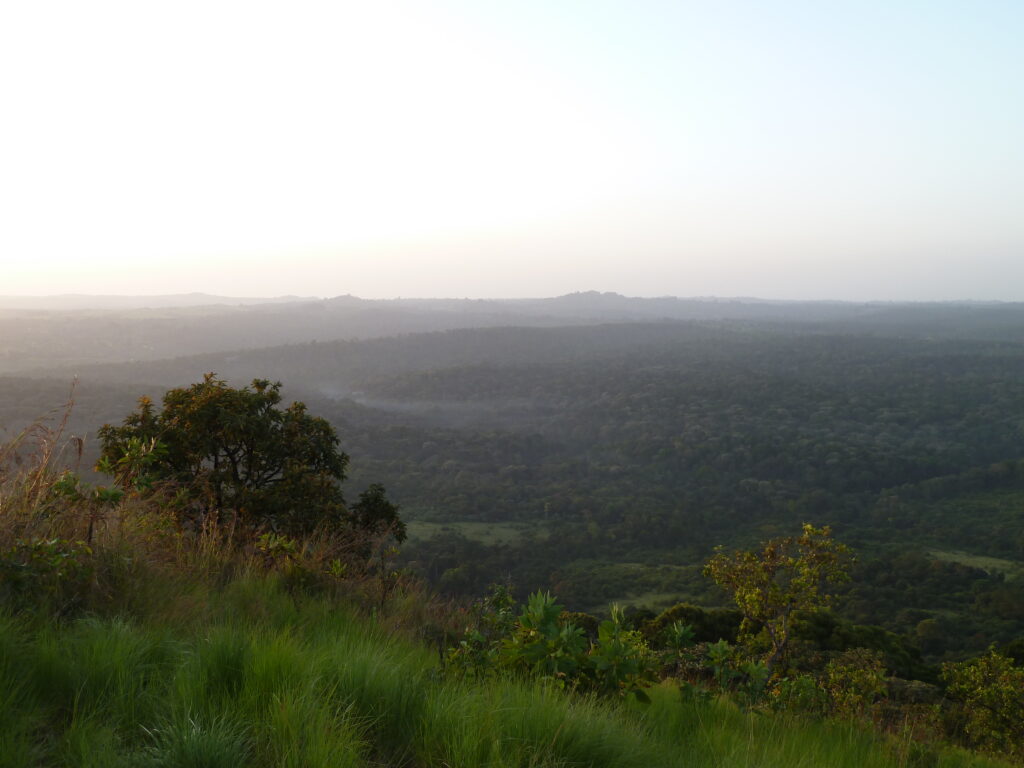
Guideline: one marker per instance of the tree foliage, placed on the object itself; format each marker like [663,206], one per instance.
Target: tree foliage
[992,691]
[854,681]
[232,452]
[787,575]
[374,514]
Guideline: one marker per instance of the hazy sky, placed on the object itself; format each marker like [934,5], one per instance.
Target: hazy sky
[784,149]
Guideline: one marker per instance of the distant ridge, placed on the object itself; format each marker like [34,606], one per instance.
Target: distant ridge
[65,332]
[580,305]
[76,301]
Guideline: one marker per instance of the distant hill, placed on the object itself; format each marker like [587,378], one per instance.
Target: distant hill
[39,340]
[77,301]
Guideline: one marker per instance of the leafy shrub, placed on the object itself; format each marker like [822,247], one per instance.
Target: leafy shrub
[621,660]
[753,682]
[855,681]
[818,632]
[542,643]
[721,659]
[478,652]
[589,624]
[54,571]
[709,624]
[277,551]
[801,694]
[676,641]
[991,690]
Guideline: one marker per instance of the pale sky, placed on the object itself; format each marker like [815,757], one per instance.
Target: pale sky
[868,149]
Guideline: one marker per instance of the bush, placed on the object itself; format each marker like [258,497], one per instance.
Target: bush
[855,681]
[541,642]
[709,624]
[51,571]
[801,694]
[991,690]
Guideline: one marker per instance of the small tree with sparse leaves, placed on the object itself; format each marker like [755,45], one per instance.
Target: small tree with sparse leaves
[785,576]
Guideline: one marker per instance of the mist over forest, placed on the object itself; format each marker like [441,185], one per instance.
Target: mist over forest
[600,446]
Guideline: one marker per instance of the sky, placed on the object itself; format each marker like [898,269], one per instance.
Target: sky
[783,149]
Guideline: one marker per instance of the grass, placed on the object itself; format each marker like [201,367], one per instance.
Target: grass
[486,533]
[1009,568]
[305,681]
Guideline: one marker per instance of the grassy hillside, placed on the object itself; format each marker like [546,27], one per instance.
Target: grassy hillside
[252,674]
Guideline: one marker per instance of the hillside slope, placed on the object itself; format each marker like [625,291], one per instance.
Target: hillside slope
[252,675]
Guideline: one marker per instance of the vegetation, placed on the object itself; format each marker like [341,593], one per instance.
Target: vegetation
[598,464]
[544,643]
[232,452]
[992,691]
[621,455]
[168,645]
[253,675]
[232,456]
[786,576]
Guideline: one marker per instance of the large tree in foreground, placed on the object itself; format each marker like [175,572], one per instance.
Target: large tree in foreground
[235,454]
[785,576]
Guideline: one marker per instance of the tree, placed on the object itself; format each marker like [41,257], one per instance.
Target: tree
[787,575]
[374,514]
[235,454]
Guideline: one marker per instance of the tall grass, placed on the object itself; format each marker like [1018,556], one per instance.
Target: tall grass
[311,683]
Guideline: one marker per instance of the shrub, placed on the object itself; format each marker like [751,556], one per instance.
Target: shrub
[786,576]
[542,642]
[855,681]
[53,571]
[622,663]
[709,624]
[991,689]
[801,694]
[542,645]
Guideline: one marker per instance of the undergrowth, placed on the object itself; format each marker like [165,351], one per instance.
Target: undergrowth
[309,682]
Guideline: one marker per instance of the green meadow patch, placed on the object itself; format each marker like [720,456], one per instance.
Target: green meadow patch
[992,565]
[484,532]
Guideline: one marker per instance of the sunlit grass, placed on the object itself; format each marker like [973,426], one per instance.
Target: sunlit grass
[1009,568]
